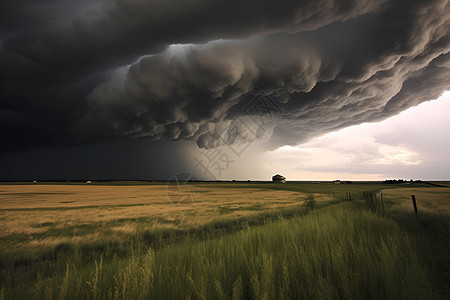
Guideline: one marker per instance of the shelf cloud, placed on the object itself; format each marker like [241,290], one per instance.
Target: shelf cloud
[84,71]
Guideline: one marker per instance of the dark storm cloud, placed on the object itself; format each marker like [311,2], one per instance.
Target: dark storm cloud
[188,91]
[344,74]
[91,36]
[70,70]
[120,159]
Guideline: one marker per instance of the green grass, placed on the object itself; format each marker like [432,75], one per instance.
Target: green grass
[330,254]
[340,249]
[432,237]
[109,244]
[337,252]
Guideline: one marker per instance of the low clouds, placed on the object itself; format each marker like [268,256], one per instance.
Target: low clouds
[75,72]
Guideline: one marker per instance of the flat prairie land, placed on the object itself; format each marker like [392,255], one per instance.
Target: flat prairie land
[34,218]
[187,196]
[223,240]
[430,200]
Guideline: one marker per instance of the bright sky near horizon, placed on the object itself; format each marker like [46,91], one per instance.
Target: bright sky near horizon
[414,144]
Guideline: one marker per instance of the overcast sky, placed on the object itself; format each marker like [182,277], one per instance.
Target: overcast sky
[412,145]
[126,89]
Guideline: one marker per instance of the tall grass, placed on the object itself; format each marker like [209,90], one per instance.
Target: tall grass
[332,253]
[341,196]
[337,252]
[374,202]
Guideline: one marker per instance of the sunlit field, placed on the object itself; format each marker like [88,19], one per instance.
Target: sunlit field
[38,218]
[430,200]
[223,241]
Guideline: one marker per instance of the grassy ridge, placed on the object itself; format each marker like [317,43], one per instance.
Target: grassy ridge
[334,252]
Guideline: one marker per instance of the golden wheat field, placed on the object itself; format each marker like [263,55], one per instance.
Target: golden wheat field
[48,215]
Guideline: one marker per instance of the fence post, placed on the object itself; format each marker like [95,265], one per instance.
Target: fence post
[382,203]
[375,202]
[413,197]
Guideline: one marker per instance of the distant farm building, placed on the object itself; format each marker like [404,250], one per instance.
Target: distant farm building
[341,182]
[278,178]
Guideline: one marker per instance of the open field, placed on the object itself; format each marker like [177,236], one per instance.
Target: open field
[35,218]
[431,200]
[222,240]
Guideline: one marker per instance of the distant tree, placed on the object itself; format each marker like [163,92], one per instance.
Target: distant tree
[394,181]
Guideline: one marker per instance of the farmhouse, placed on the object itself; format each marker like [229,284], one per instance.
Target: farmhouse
[341,182]
[278,178]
